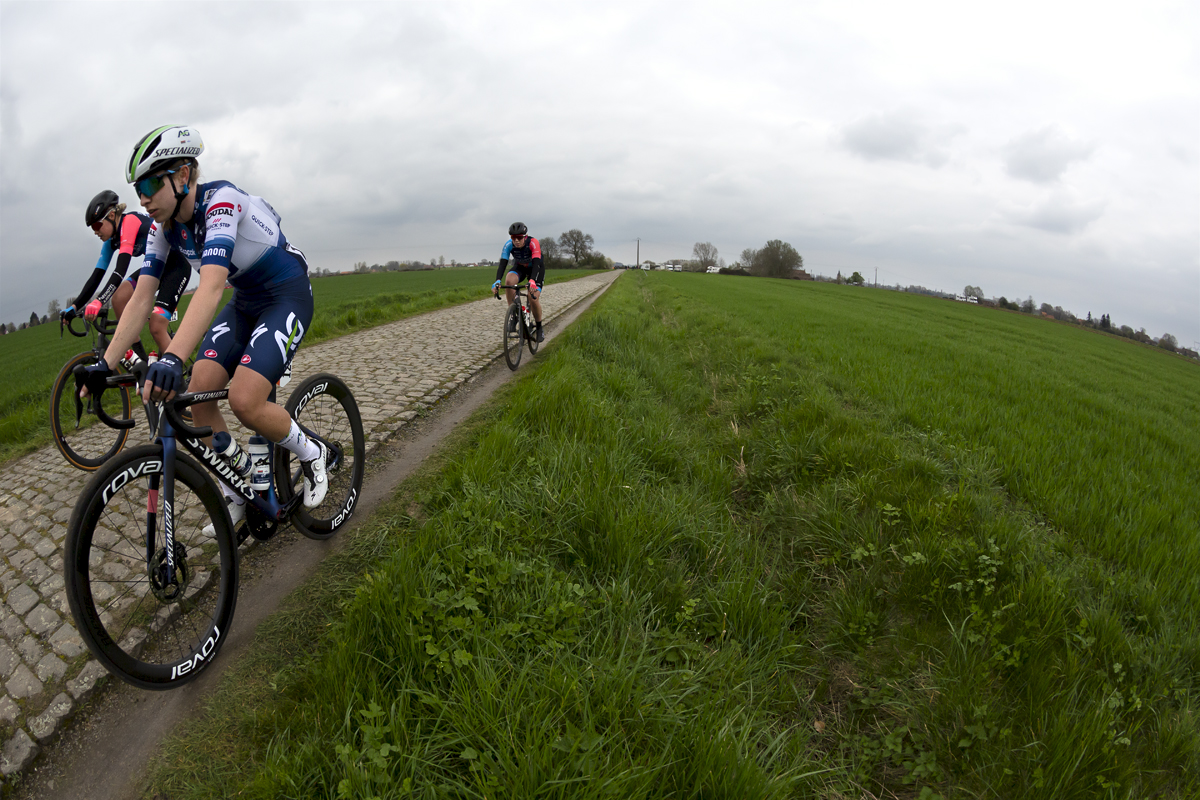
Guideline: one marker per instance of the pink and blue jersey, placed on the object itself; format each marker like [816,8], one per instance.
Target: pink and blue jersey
[523,256]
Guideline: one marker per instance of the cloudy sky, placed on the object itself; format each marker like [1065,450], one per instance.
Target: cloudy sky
[1045,149]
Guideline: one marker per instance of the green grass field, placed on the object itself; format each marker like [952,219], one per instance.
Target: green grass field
[747,538]
[31,359]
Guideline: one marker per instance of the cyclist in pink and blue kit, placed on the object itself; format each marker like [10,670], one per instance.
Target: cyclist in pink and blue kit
[526,255]
[226,235]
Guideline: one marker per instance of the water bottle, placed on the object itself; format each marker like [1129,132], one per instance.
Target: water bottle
[130,360]
[260,464]
[528,318]
[224,444]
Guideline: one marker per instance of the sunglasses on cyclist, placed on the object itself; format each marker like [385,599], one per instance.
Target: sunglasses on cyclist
[149,185]
[96,226]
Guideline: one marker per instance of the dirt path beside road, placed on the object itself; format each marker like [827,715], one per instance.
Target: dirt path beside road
[100,740]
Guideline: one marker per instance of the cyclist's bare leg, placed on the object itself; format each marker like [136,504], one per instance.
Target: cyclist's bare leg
[160,332]
[249,395]
[536,303]
[511,279]
[121,297]
[208,376]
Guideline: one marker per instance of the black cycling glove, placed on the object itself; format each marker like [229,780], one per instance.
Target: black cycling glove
[166,374]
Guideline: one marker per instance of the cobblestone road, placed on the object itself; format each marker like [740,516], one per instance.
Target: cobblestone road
[394,371]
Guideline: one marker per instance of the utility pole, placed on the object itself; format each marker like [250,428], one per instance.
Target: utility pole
[877,277]
[639,253]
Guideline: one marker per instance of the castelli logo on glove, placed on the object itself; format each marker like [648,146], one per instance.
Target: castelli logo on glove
[210,353]
[246,359]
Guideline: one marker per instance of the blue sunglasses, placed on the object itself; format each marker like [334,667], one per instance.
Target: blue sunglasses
[149,185]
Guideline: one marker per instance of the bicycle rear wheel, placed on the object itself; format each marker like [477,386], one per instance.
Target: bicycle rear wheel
[146,633]
[514,332]
[325,408]
[89,443]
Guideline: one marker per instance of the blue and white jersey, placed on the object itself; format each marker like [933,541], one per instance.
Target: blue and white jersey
[231,229]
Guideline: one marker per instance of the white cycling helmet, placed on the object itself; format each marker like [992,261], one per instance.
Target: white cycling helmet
[162,148]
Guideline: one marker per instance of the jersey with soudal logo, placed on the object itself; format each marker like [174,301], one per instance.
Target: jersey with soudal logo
[522,255]
[231,229]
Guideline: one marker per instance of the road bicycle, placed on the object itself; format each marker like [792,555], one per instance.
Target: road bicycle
[81,441]
[84,444]
[518,326]
[151,593]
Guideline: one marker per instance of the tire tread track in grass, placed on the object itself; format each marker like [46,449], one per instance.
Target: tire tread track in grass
[735,538]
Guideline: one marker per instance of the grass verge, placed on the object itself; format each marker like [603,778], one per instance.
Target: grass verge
[681,557]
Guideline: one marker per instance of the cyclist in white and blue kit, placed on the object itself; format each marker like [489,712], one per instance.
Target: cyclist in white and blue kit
[226,235]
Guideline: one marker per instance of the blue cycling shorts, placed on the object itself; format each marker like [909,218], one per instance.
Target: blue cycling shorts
[261,332]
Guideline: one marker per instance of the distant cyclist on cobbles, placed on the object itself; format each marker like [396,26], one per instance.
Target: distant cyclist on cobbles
[227,235]
[125,234]
[526,256]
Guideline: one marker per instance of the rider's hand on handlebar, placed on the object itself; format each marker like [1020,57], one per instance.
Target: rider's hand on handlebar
[95,379]
[496,289]
[92,310]
[164,378]
[69,313]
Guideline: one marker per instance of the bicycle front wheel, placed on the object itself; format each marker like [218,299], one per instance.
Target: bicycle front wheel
[88,443]
[145,630]
[514,331]
[325,408]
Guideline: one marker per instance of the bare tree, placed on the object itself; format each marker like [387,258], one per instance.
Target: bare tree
[973,291]
[550,251]
[749,255]
[705,256]
[53,309]
[577,243]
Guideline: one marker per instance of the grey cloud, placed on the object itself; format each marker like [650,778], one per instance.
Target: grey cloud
[1060,214]
[898,136]
[1042,156]
[396,130]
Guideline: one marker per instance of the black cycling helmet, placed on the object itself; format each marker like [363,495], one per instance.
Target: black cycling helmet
[99,206]
[517,229]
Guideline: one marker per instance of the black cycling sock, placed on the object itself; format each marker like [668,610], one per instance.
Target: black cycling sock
[141,351]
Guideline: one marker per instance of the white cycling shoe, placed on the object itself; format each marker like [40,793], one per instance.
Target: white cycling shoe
[316,482]
[237,513]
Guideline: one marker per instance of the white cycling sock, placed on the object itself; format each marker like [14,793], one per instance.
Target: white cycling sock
[299,444]
[232,495]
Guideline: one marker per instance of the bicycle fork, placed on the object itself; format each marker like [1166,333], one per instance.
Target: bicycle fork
[163,575]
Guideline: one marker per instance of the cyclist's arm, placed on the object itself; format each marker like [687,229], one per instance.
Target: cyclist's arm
[504,254]
[106,251]
[535,269]
[220,226]
[200,311]
[130,228]
[129,329]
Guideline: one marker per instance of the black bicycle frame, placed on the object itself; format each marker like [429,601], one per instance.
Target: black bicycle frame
[170,426]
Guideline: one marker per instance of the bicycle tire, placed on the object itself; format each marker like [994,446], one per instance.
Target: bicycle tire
[323,404]
[88,447]
[531,340]
[141,637]
[512,338]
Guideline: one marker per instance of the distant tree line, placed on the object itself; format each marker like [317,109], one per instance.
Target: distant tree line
[573,249]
